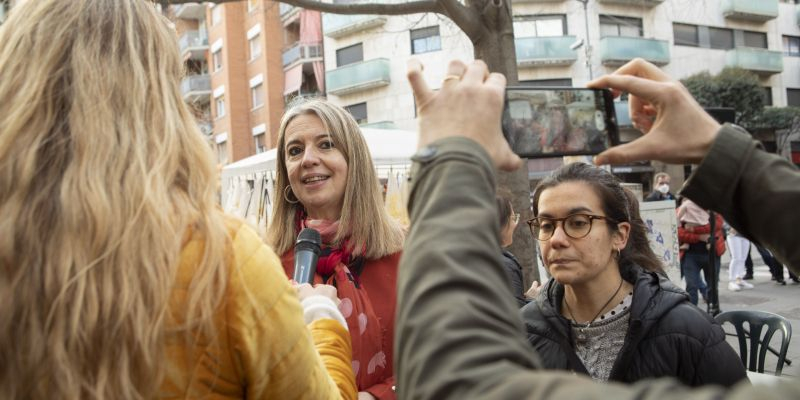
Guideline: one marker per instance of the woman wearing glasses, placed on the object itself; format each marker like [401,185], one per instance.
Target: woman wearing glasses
[609,311]
[508,223]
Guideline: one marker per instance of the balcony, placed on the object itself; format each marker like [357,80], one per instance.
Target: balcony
[380,125]
[339,25]
[359,76]
[196,88]
[545,51]
[288,12]
[193,46]
[645,3]
[302,52]
[206,128]
[750,10]
[760,61]
[190,11]
[617,50]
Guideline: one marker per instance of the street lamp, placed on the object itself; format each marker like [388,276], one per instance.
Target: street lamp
[588,46]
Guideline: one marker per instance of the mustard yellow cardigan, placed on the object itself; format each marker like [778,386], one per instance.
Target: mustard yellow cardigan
[263,348]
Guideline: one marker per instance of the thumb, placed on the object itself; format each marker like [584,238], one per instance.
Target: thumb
[637,150]
[508,160]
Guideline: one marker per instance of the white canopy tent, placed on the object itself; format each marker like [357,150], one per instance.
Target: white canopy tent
[388,147]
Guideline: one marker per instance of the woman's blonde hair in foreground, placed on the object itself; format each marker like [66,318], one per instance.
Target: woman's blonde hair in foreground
[364,220]
[103,172]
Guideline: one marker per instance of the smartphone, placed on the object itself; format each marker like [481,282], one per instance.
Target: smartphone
[558,121]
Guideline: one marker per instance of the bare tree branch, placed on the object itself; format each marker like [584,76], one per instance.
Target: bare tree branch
[464,18]
[412,7]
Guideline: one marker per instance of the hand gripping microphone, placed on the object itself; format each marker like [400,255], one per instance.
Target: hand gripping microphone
[306,255]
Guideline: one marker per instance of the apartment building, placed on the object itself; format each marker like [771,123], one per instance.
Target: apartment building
[244,61]
[567,42]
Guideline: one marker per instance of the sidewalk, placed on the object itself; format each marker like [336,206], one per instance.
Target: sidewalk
[765,296]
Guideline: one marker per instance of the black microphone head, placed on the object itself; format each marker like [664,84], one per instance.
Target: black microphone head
[308,239]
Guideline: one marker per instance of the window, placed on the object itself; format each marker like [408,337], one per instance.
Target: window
[611,25]
[685,35]
[540,25]
[720,38]
[219,103]
[257,95]
[255,46]
[793,97]
[216,59]
[252,5]
[359,112]
[222,152]
[767,95]
[216,15]
[350,55]
[755,39]
[791,46]
[261,142]
[425,40]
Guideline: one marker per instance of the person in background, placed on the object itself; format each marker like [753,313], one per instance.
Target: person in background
[121,277]
[694,234]
[609,311]
[448,351]
[739,246]
[508,223]
[327,182]
[660,188]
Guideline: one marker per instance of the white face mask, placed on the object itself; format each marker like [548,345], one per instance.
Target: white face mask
[663,188]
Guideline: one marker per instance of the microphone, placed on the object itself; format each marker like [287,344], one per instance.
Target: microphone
[306,255]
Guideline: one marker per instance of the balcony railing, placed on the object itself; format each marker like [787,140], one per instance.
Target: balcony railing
[379,125]
[761,61]
[191,41]
[359,76]
[339,25]
[302,51]
[287,11]
[750,10]
[534,51]
[190,11]
[196,88]
[617,50]
[645,3]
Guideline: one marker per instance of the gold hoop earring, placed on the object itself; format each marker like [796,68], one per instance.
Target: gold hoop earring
[286,192]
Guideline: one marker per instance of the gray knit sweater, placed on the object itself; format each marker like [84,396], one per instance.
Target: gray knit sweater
[599,345]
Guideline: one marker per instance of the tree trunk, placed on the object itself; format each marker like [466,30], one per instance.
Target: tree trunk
[495,47]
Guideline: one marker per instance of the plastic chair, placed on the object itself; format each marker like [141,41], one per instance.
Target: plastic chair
[758,347]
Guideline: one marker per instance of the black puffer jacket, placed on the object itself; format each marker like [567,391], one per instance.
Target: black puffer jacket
[667,336]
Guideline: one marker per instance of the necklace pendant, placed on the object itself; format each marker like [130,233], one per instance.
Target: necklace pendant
[581,335]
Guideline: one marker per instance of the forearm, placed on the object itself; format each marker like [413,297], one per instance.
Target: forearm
[456,288]
[756,192]
[332,341]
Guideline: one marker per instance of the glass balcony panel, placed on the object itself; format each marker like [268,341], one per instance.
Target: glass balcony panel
[646,3]
[302,51]
[192,41]
[761,61]
[617,50]
[750,10]
[555,50]
[196,88]
[359,76]
[339,25]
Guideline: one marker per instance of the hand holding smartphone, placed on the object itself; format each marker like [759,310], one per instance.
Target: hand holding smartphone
[555,122]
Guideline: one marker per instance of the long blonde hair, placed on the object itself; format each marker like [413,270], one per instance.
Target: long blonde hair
[103,172]
[364,220]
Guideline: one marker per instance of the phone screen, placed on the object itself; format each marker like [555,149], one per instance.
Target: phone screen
[553,122]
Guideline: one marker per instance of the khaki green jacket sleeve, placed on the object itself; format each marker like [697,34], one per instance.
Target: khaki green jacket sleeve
[758,193]
[459,333]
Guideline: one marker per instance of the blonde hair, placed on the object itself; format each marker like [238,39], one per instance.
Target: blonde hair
[103,174]
[364,220]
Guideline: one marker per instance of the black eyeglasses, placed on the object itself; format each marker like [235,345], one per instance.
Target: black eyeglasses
[575,226]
